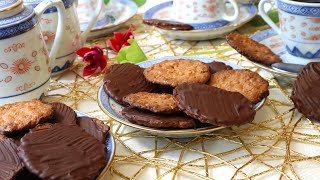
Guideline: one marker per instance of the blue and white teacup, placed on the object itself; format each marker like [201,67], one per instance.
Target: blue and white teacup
[299,29]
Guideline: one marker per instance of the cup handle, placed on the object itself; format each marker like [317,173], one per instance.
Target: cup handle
[236,11]
[265,17]
[40,9]
[85,33]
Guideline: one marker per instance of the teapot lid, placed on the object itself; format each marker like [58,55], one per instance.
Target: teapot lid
[16,21]
[34,3]
[6,5]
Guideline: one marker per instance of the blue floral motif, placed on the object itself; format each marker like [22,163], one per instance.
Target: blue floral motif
[18,28]
[264,35]
[57,69]
[34,3]
[296,52]
[299,10]
[25,14]
[7,3]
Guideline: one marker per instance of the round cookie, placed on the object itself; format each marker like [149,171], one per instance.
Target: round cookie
[62,152]
[306,91]
[23,115]
[218,66]
[213,105]
[10,163]
[149,119]
[175,72]
[95,127]
[157,103]
[123,79]
[63,114]
[248,83]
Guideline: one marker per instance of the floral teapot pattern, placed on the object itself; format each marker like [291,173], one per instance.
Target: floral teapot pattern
[25,64]
[72,38]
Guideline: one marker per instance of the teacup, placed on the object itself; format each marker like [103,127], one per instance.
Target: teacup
[299,29]
[203,11]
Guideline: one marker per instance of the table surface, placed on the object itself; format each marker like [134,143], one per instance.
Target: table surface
[278,144]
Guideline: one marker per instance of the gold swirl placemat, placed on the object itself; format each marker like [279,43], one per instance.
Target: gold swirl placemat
[279,144]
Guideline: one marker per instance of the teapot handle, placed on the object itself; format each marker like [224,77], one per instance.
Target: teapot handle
[85,33]
[40,9]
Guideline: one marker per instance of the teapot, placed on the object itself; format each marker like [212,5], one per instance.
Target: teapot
[25,64]
[72,38]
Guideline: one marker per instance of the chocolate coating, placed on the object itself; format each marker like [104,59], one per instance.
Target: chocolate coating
[213,105]
[170,25]
[10,163]
[150,119]
[62,152]
[95,127]
[306,91]
[63,114]
[123,79]
[218,66]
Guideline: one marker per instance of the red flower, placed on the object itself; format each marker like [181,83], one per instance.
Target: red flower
[120,40]
[94,58]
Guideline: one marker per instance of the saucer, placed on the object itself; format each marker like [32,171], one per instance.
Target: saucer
[202,31]
[110,149]
[273,41]
[112,16]
[113,109]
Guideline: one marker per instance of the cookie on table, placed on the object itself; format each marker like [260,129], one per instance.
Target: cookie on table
[10,163]
[150,119]
[124,79]
[213,105]
[218,66]
[248,83]
[154,102]
[170,25]
[251,49]
[306,91]
[175,72]
[63,114]
[62,152]
[24,115]
[95,127]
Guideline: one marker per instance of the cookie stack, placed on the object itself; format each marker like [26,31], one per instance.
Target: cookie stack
[180,94]
[48,141]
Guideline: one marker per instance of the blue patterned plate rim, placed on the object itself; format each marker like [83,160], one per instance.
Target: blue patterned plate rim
[24,15]
[262,35]
[104,101]
[250,7]
[104,23]
[110,147]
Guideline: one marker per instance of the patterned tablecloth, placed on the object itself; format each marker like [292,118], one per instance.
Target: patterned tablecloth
[278,144]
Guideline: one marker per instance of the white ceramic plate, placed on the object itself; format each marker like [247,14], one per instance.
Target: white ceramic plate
[202,31]
[110,150]
[112,16]
[113,109]
[272,40]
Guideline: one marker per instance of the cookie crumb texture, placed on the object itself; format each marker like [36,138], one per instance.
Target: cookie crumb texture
[24,115]
[175,72]
[157,103]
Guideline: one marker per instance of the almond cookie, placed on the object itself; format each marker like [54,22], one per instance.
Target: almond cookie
[175,72]
[306,91]
[157,103]
[24,115]
[251,49]
[248,83]
[213,105]
[123,79]
[150,119]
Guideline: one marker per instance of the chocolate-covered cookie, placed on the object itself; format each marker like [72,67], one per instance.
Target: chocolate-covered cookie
[10,163]
[218,66]
[123,79]
[62,152]
[63,114]
[95,127]
[306,91]
[170,25]
[213,105]
[149,119]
